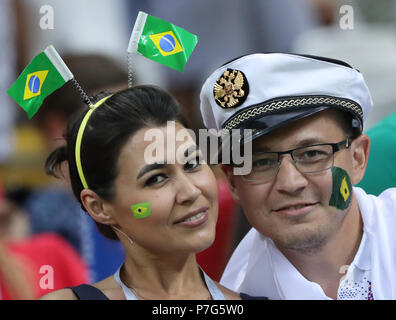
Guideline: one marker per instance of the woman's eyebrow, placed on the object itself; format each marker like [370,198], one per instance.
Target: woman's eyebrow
[150,167]
[190,150]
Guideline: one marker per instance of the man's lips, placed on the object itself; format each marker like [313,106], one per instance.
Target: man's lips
[295,209]
[294,206]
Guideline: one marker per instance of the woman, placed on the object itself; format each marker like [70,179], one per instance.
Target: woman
[161,206]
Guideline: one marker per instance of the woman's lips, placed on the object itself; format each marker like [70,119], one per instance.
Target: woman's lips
[296,209]
[194,219]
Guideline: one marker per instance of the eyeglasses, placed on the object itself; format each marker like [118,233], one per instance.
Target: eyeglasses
[310,159]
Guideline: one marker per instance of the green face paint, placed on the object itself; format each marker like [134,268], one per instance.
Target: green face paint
[141,210]
[342,189]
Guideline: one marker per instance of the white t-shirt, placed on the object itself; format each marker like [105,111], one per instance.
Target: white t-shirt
[258,268]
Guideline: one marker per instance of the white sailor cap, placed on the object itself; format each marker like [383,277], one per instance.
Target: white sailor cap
[264,91]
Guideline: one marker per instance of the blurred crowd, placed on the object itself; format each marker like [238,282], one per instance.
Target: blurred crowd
[40,222]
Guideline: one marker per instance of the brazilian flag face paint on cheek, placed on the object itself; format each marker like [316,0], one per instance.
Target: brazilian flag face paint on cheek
[342,189]
[141,210]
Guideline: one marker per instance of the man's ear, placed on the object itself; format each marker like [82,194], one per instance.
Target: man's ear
[228,172]
[360,155]
[96,207]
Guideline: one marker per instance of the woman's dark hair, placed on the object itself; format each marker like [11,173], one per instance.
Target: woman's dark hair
[108,129]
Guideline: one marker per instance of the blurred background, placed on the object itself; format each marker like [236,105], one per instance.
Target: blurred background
[38,214]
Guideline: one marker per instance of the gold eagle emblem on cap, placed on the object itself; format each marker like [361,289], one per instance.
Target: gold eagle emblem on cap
[231,89]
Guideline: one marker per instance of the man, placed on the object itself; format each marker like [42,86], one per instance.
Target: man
[314,236]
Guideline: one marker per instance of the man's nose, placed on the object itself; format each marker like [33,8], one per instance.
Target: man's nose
[289,179]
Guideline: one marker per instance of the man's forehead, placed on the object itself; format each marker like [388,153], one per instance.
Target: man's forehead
[319,128]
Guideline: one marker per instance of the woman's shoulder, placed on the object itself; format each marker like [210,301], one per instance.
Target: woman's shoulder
[110,288]
[107,289]
[61,294]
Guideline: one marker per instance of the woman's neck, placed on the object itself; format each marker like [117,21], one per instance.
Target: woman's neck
[168,276]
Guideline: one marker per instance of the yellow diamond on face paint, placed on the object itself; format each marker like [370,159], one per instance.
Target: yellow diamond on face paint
[344,190]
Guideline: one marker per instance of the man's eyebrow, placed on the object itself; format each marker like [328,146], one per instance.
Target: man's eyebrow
[309,142]
[261,149]
[150,167]
[302,143]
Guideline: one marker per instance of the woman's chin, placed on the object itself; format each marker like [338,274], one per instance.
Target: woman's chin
[204,244]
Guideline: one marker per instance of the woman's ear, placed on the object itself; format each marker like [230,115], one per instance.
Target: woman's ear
[228,172]
[360,155]
[97,208]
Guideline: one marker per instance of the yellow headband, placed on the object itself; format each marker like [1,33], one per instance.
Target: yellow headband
[79,138]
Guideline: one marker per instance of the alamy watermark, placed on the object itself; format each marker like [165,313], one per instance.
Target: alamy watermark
[234,146]
[47,280]
[47,19]
[347,18]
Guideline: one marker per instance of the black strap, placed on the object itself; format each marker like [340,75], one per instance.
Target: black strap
[245,296]
[88,292]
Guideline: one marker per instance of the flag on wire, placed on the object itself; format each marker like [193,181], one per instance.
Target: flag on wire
[161,41]
[45,73]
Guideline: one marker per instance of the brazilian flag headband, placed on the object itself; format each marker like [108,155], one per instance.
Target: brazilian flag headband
[80,136]
[46,73]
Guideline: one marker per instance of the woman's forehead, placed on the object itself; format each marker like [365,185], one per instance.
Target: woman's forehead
[157,144]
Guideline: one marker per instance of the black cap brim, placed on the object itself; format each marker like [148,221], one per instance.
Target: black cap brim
[270,122]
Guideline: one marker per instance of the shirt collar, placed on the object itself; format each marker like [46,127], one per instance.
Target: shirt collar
[363,257]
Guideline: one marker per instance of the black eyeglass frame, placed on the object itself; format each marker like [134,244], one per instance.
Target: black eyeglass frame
[335,148]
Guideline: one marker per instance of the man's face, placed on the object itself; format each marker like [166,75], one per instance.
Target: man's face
[293,208]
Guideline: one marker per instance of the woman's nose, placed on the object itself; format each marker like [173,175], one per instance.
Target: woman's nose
[187,189]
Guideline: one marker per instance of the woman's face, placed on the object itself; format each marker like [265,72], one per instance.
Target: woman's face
[181,192]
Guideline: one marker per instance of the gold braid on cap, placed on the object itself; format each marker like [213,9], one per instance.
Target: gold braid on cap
[291,103]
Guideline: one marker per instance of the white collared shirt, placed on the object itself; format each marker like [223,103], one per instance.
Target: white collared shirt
[258,268]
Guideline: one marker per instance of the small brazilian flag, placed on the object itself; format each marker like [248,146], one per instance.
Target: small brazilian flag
[161,41]
[141,210]
[44,74]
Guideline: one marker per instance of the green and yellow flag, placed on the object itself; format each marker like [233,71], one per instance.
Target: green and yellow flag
[45,73]
[161,41]
[141,210]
